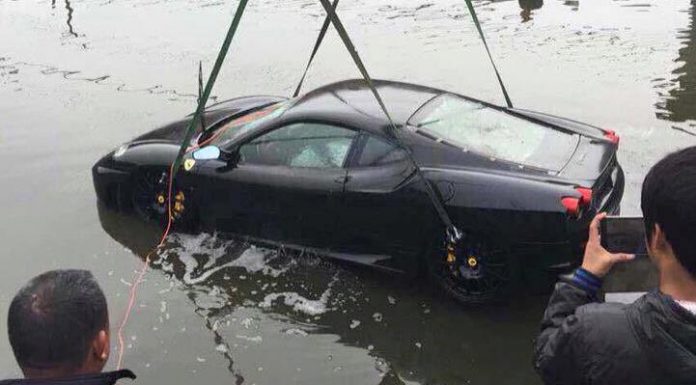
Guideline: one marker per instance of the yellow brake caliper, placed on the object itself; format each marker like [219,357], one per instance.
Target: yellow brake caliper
[178,207]
[179,199]
[451,256]
[451,259]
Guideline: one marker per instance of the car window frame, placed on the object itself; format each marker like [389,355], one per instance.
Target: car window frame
[236,146]
[361,143]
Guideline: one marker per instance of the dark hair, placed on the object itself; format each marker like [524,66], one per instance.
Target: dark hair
[669,199]
[54,318]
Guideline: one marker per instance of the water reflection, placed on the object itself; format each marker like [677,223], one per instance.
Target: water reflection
[69,8]
[527,7]
[576,64]
[70,11]
[140,237]
[412,334]
[680,105]
[573,4]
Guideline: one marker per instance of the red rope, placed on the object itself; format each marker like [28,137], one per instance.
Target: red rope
[143,269]
[146,263]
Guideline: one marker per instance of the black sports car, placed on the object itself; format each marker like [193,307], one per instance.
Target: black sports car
[326,172]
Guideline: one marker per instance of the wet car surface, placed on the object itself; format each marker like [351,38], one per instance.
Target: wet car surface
[326,173]
[78,77]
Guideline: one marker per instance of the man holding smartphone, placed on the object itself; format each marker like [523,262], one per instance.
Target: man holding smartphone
[653,340]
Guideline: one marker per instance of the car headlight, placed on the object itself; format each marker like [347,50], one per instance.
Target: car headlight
[120,151]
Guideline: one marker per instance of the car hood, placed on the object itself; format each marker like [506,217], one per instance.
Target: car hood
[149,153]
[176,131]
[159,147]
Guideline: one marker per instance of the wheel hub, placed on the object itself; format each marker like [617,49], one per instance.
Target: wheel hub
[178,206]
[473,271]
[468,268]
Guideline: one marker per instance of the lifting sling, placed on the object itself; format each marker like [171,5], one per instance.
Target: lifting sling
[453,234]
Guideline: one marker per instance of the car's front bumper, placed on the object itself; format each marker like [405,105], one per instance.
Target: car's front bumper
[110,182]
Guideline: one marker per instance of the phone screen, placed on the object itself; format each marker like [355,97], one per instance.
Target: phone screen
[624,235]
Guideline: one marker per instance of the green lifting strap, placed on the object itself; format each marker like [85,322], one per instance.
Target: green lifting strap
[203,100]
[200,92]
[490,57]
[320,39]
[452,232]
[356,58]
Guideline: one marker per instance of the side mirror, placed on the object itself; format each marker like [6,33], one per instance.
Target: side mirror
[207,153]
[232,157]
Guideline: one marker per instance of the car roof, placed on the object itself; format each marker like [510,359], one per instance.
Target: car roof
[352,102]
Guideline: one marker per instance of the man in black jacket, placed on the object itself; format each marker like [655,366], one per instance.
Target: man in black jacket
[652,341]
[59,331]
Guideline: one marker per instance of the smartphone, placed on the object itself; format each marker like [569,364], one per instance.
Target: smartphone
[624,235]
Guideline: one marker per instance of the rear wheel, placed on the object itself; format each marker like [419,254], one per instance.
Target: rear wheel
[151,202]
[476,271]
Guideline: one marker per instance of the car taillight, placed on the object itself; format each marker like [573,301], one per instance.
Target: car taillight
[586,195]
[572,205]
[575,205]
[612,136]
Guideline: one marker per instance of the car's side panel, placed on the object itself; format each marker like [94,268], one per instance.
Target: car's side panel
[383,213]
[518,209]
[284,204]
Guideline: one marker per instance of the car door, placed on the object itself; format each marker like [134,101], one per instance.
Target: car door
[285,185]
[382,211]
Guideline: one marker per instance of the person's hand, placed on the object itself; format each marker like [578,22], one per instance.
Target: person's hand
[597,259]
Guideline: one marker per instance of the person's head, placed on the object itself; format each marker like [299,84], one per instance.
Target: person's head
[669,208]
[58,325]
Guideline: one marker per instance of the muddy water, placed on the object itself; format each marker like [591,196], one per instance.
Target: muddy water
[77,78]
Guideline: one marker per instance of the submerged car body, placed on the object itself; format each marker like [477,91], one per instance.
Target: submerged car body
[327,171]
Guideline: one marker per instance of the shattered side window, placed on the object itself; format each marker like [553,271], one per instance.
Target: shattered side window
[310,145]
[494,133]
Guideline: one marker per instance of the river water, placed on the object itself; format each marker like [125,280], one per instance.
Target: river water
[77,78]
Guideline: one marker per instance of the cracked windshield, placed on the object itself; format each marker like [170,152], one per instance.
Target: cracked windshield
[399,217]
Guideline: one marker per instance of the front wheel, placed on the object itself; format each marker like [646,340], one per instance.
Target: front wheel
[476,271]
[151,202]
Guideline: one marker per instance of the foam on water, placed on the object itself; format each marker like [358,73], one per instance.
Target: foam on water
[190,249]
[201,256]
[297,302]
[255,260]
[256,339]
[302,304]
